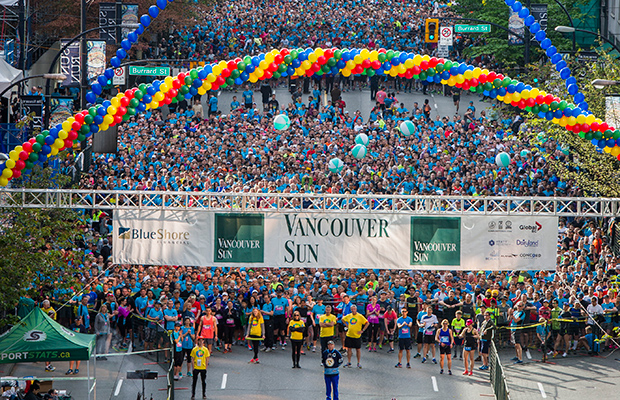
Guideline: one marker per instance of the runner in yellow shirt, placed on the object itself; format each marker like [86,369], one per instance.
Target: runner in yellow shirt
[356,324]
[200,357]
[296,333]
[327,322]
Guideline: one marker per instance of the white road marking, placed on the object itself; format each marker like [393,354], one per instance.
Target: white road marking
[435,388]
[224,379]
[528,354]
[118,387]
[542,390]
[435,105]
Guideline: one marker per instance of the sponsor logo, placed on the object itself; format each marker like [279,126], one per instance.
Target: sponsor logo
[500,226]
[498,243]
[530,255]
[162,235]
[532,228]
[527,243]
[239,238]
[435,241]
[494,255]
[510,255]
[35,336]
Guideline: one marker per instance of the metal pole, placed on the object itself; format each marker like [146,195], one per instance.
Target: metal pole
[570,20]
[602,37]
[83,59]
[526,42]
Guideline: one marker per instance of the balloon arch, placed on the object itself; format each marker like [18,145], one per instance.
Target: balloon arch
[301,63]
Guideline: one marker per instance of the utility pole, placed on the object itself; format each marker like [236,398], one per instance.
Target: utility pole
[526,42]
[83,58]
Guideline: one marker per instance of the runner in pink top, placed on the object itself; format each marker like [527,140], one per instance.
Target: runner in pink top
[372,314]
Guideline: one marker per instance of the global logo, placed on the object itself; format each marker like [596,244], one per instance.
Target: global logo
[533,228]
[527,243]
[35,336]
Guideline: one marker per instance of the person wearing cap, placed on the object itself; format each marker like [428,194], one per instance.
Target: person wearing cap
[355,324]
[177,340]
[200,357]
[327,323]
[471,336]
[188,338]
[518,320]
[76,326]
[428,323]
[280,304]
[404,324]
[331,360]
[564,333]
[487,332]
[267,312]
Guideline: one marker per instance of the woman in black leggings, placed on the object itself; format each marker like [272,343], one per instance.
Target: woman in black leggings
[296,332]
[256,332]
[230,317]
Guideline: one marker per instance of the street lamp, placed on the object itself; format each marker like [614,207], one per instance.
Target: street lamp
[570,20]
[53,77]
[62,49]
[601,83]
[569,29]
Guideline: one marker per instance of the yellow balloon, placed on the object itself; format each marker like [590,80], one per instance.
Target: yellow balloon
[607,149]
[169,81]
[401,69]
[451,81]
[358,59]
[71,120]
[115,102]
[4,181]
[10,164]
[572,121]
[18,149]
[222,64]
[253,78]
[164,88]
[351,64]
[374,56]
[63,134]
[306,65]
[58,143]
[259,72]
[275,52]
[108,119]
[105,127]
[269,58]
[54,151]
[563,120]
[477,71]
[207,86]
[485,71]
[154,104]
[589,119]
[468,74]
[409,63]
[312,57]
[444,82]
[508,98]
[112,110]
[394,72]
[581,119]
[201,91]
[500,98]
[555,120]
[516,96]
[263,65]
[365,53]
[216,70]
[66,126]
[319,52]
[426,57]
[14,155]
[211,78]
[7,173]
[534,92]
[460,78]
[525,94]
[615,151]
[346,72]
[417,59]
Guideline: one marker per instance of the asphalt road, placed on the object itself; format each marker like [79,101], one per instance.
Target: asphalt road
[231,377]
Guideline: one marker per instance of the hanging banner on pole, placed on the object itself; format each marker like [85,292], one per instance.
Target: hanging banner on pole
[96,58]
[70,63]
[129,17]
[107,17]
[517,25]
[33,108]
[540,14]
[335,240]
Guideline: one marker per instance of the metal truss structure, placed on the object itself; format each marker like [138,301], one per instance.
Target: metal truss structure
[312,202]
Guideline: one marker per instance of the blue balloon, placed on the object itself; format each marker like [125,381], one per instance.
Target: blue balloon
[102,80]
[579,97]
[429,79]
[395,61]
[145,20]
[188,96]
[551,51]
[387,66]
[153,11]
[610,143]
[524,12]
[493,93]
[207,68]
[238,81]
[565,73]
[509,3]
[42,157]
[162,4]
[601,143]
[568,111]
[109,73]
[541,114]
[520,87]
[571,80]
[96,88]
[102,111]
[617,142]
[121,53]
[454,71]
[556,58]
[584,106]
[289,70]
[141,107]
[540,36]
[49,140]
[147,98]
[151,90]
[256,61]
[346,56]
[45,149]
[126,44]
[445,75]
[91,97]
[132,37]
[193,91]
[511,88]
[577,111]
[94,128]
[202,74]
[549,115]
[296,63]
[115,62]
[341,64]
[261,56]
[251,68]
[140,29]
[529,20]
[98,119]
[462,68]
[402,57]
[557,114]
[197,83]
[303,57]
[535,28]
[334,70]
[560,65]
[284,74]
[517,6]
[156,84]
[545,44]
[501,91]
[572,89]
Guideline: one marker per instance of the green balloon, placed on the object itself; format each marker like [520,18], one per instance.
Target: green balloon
[563,105]
[193,74]
[529,109]
[331,62]
[92,111]
[447,65]
[288,59]
[294,54]
[36,147]
[598,135]
[224,86]
[142,87]
[390,55]
[241,66]
[188,80]
[423,75]
[281,68]
[41,137]
[582,134]
[535,109]
[543,108]
[506,82]
[184,90]
[497,83]
[589,136]
[431,72]
[133,103]
[132,110]
[382,57]
[554,105]
[230,81]
[126,117]
[439,67]
[370,72]
[277,75]
[416,77]
[247,60]
[337,54]
[29,165]
[138,95]
[487,86]
[89,119]
[616,134]
[81,137]
[173,101]
[180,96]
[235,73]
[325,68]
[85,129]
[33,157]
[319,72]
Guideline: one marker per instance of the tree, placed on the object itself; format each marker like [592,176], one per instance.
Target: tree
[37,248]
[596,173]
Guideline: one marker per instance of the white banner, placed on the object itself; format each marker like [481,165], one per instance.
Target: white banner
[334,240]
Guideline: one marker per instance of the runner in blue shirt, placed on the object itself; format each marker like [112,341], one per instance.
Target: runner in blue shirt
[404,325]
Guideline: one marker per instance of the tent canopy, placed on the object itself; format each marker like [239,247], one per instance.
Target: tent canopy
[38,337]
[8,75]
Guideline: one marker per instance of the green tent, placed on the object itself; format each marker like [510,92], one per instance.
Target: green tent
[38,337]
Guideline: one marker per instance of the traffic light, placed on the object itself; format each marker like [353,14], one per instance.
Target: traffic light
[431,33]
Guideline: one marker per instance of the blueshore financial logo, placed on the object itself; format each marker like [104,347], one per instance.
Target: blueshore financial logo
[239,238]
[161,235]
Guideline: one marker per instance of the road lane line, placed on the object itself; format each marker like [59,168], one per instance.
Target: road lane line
[224,379]
[542,390]
[118,387]
[435,388]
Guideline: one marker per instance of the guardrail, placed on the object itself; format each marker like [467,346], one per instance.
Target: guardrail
[498,379]
[315,202]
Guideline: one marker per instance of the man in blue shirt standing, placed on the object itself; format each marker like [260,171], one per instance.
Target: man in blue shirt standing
[404,325]
[248,97]
[279,317]
[331,361]
[267,312]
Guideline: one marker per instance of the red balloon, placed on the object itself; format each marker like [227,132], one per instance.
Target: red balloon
[118,119]
[521,104]
[416,70]
[220,81]
[540,99]
[321,60]
[129,93]
[225,72]
[595,126]
[433,62]
[585,128]
[124,101]
[530,102]
[482,78]
[76,125]
[604,127]
[79,118]
[121,111]
[173,92]
[329,53]
[19,165]
[377,64]
[23,155]
[424,65]
[181,76]
[267,75]
[491,76]
[167,100]
[273,67]
[548,99]
[285,52]
[473,82]
[278,59]
[409,74]
[366,64]
[514,103]
[316,66]
[309,73]
[27,146]
[576,127]
[72,135]
[465,85]
[382,50]
[215,86]
[231,65]
[16,174]
[68,143]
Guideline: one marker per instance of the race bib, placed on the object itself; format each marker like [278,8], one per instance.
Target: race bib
[198,362]
[230,321]
[279,308]
[405,331]
[445,339]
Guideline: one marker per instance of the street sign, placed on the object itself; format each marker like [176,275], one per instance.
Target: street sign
[445,35]
[482,28]
[119,76]
[149,71]
[443,51]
